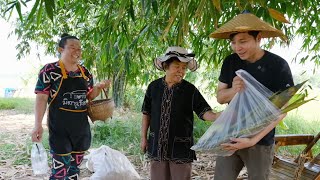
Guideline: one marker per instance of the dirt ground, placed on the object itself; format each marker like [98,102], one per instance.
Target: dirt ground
[16,127]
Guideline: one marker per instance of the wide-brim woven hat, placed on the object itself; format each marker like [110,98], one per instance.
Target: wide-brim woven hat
[246,22]
[180,53]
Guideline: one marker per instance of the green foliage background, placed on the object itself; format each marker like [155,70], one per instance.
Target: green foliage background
[121,38]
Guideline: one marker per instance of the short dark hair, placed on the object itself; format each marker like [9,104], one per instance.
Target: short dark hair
[64,38]
[252,33]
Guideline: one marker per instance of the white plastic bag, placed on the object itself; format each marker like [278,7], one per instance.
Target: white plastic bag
[249,112]
[110,164]
[39,159]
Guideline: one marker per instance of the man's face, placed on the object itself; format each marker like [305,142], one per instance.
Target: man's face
[246,46]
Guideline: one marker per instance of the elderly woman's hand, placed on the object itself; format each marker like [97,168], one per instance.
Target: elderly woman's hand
[144,145]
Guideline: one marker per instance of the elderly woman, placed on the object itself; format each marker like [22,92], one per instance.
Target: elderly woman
[167,110]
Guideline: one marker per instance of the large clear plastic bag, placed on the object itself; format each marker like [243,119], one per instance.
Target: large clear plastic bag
[249,112]
[110,164]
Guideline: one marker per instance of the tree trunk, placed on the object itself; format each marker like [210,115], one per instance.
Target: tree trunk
[118,87]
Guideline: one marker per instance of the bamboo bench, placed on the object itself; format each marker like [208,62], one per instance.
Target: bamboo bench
[304,167]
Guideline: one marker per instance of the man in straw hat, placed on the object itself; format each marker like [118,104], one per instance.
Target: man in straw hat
[167,110]
[245,32]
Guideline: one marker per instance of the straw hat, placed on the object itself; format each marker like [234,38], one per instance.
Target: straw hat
[180,53]
[246,22]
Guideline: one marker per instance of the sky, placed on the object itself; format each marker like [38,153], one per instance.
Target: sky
[13,72]
[8,60]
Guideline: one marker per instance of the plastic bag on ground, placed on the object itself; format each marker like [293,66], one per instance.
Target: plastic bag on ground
[249,112]
[110,164]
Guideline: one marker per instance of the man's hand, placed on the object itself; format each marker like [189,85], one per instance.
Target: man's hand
[36,134]
[237,84]
[238,143]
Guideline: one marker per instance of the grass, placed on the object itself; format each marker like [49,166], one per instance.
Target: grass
[299,125]
[303,120]
[200,127]
[14,153]
[24,105]
[18,152]
[120,134]
[124,135]
[123,132]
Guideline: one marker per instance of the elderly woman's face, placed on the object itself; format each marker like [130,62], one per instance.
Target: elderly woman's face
[176,71]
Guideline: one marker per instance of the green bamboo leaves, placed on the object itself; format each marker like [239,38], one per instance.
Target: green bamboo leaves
[50,8]
[288,100]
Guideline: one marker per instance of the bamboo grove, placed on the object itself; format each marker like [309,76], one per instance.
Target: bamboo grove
[121,38]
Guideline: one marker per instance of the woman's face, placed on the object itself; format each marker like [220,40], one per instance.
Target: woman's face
[176,71]
[71,51]
[246,46]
